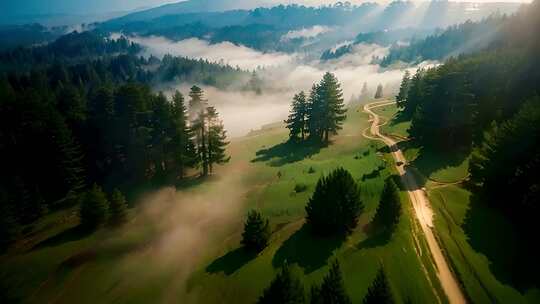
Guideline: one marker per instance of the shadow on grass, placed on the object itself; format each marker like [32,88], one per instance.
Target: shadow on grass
[232,261]
[512,255]
[70,235]
[310,252]
[287,152]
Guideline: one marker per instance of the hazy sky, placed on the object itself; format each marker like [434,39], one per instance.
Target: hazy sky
[18,7]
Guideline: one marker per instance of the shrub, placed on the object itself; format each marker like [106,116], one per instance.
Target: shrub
[118,208]
[300,187]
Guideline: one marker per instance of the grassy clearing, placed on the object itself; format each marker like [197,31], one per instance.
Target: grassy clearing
[120,266]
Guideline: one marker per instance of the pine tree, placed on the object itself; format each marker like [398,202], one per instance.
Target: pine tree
[285,288]
[389,209]
[297,121]
[217,140]
[379,292]
[333,105]
[256,232]
[401,98]
[118,208]
[183,147]
[197,103]
[335,205]
[379,92]
[94,208]
[364,94]
[332,290]
[315,114]
[200,127]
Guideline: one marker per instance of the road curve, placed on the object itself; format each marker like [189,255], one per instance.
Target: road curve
[421,206]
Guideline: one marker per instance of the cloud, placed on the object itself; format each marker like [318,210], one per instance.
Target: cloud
[310,32]
[224,52]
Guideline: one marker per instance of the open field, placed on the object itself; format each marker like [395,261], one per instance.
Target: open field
[183,246]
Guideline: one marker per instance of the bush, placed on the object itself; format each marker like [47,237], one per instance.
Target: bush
[94,207]
[256,232]
[335,204]
[298,188]
[311,170]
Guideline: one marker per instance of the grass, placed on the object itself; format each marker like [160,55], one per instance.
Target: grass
[120,266]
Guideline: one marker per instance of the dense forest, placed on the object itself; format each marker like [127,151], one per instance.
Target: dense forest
[82,112]
[487,103]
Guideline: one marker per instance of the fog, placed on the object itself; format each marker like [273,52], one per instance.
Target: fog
[283,75]
[310,32]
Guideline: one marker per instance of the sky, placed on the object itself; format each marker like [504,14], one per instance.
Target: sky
[86,7]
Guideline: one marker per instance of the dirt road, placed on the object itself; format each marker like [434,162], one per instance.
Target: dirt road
[421,206]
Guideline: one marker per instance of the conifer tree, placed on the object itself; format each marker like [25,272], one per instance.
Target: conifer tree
[94,208]
[335,204]
[315,114]
[401,98]
[364,94]
[118,208]
[332,289]
[333,106]
[183,147]
[285,288]
[197,103]
[379,292]
[256,232]
[297,121]
[389,209]
[217,140]
[379,92]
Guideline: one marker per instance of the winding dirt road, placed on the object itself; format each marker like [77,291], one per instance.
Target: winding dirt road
[421,206]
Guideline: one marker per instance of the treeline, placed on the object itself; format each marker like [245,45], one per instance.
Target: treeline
[319,115]
[459,39]
[68,125]
[488,103]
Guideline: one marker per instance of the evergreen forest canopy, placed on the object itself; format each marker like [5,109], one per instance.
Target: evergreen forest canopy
[81,111]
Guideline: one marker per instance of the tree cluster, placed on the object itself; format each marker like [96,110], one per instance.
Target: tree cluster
[96,208]
[320,115]
[335,205]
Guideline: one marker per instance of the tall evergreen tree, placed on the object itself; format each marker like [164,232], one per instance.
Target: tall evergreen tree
[315,114]
[197,103]
[335,205]
[217,140]
[401,98]
[94,208]
[333,105]
[285,288]
[297,121]
[182,145]
[117,208]
[256,232]
[364,94]
[379,292]
[332,289]
[389,209]
[379,92]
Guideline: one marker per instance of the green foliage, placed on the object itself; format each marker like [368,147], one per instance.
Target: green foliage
[389,209]
[285,288]
[118,208]
[379,292]
[94,208]
[335,205]
[300,187]
[297,121]
[256,232]
[401,98]
[509,158]
[332,289]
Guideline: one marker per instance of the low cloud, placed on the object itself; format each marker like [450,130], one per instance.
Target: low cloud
[224,52]
[306,32]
